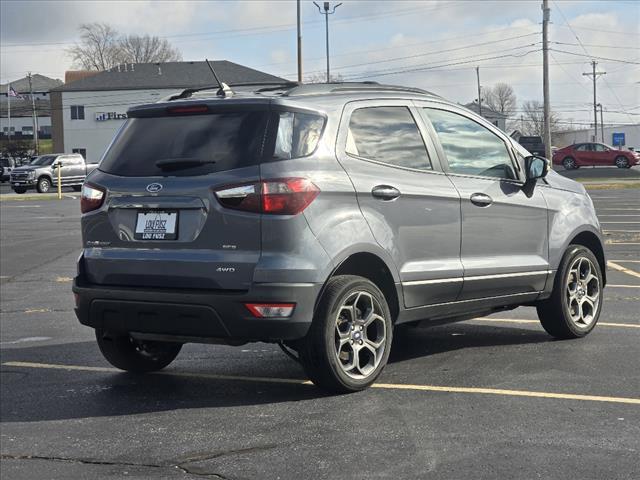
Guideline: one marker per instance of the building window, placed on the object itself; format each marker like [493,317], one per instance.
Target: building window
[81,151]
[77,112]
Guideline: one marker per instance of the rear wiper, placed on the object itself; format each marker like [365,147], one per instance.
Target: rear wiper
[176,163]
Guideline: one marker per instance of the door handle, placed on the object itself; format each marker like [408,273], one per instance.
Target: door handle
[385,192]
[481,199]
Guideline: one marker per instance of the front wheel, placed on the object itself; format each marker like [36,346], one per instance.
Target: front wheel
[44,185]
[575,304]
[126,353]
[622,162]
[77,188]
[348,343]
[19,190]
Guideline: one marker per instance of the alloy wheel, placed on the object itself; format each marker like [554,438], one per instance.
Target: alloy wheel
[621,162]
[360,335]
[582,292]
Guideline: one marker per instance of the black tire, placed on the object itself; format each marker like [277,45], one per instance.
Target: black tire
[19,190]
[77,188]
[125,353]
[622,162]
[569,163]
[554,313]
[319,352]
[44,185]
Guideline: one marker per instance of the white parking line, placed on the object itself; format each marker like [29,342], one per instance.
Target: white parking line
[626,261]
[519,320]
[622,286]
[381,386]
[620,268]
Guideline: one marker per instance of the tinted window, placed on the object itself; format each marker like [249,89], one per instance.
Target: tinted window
[600,147]
[231,139]
[585,147]
[389,135]
[44,160]
[297,135]
[470,148]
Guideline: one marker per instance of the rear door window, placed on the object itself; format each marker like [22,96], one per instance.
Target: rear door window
[388,135]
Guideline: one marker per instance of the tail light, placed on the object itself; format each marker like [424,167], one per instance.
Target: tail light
[92,198]
[284,196]
[270,310]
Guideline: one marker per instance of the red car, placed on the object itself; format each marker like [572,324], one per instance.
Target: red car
[589,154]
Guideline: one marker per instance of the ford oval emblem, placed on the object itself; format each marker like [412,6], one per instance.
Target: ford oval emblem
[154,187]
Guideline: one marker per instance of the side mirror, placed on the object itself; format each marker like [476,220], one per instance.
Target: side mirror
[536,167]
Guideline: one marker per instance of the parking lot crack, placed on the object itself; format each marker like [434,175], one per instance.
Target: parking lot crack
[85,461]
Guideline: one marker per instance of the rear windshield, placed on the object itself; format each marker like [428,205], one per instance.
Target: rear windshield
[203,144]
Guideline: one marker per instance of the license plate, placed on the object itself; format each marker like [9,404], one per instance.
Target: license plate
[156,226]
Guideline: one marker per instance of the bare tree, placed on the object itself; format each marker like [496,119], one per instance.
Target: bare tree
[501,98]
[322,78]
[101,47]
[147,49]
[532,123]
[98,47]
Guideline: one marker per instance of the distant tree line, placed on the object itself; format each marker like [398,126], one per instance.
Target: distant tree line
[101,47]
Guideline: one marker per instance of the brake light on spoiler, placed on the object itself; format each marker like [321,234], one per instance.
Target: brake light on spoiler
[282,196]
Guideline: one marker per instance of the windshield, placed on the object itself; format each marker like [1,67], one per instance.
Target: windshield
[44,160]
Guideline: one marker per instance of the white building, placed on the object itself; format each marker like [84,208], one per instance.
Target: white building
[88,112]
[612,135]
[20,124]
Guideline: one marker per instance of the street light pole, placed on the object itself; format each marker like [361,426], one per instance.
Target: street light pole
[299,43]
[326,10]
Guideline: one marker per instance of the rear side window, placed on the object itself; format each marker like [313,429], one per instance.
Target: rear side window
[230,139]
[297,135]
[389,135]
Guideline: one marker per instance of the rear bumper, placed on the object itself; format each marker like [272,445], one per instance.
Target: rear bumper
[195,313]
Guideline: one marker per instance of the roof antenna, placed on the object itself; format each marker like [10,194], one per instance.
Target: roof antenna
[225,90]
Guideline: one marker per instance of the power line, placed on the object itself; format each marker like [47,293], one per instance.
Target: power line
[595,56]
[463,47]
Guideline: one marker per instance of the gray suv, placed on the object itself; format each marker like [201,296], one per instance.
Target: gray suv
[320,217]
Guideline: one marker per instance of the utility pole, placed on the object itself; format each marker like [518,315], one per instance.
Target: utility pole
[601,124]
[299,43]
[35,116]
[479,97]
[595,76]
[546,14]
[327,11]
[9,110]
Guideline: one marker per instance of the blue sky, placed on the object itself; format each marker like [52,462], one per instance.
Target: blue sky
[430,44]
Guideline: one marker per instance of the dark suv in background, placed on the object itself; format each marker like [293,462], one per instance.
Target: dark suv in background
[320,217]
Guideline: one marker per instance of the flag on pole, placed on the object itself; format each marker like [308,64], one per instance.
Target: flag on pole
[13,93]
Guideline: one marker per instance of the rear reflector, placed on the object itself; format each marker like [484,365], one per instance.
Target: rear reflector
[270,310]
[283,196]
[91,198]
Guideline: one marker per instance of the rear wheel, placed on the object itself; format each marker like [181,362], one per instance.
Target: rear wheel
[574,307]
[19,189]
[622,162]
[44,185]
[569,163]
[77,188]
[349,341]
[126,353]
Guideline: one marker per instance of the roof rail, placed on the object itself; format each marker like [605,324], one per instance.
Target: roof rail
[343,87]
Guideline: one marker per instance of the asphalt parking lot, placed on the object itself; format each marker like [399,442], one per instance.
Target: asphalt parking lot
[491,398]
